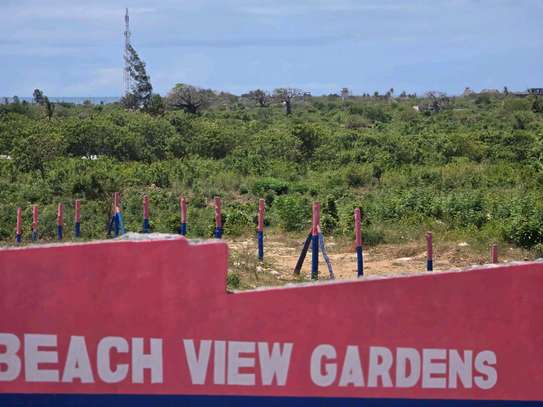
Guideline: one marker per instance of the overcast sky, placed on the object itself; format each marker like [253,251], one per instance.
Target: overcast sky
[74,47]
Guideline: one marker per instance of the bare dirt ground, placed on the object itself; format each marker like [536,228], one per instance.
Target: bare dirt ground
[281,254]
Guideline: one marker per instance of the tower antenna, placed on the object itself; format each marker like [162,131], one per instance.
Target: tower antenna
[126,54]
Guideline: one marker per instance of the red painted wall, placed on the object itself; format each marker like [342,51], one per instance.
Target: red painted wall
[172,290]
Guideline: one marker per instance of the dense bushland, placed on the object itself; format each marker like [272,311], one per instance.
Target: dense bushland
[472,168]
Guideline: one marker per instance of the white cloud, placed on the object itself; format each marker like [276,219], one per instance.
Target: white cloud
[299,7]
[74,12]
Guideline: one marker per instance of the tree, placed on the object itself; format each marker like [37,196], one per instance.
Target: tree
[155,106]
[259,96]
[38,96]
[309,137]
[36,146]
[189,98]
[141,88]
[537,106]
[437,101]
[49,108]
[43,100]
[390,93]
[287,96]
[130,101]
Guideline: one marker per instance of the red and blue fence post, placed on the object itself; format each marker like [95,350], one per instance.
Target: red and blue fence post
[315,241]
[77,218]
[218,218]
[260,231]
[60,215]
[146,227]
[35,222]
[183,205]
[19,228]
[429,252]
[358,242]
[116,212]
[494,253]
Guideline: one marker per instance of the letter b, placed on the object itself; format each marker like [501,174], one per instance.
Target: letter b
[9,358]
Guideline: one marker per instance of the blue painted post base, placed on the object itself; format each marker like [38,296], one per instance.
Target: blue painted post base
[183,229]
[77,229]
[18,238]
[218,233]
[59,232]
[359,261]
[146,226]
[260,234]
[303,253]
[116,224]
[34,235]
[429,265]
[122,230]
[315,257]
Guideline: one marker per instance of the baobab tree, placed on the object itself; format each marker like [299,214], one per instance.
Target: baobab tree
[287,96]
[259,96]
[189,98]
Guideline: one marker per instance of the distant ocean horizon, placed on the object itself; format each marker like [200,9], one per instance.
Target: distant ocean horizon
[78,100]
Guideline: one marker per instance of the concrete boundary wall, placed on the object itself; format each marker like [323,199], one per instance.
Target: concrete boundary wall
[150,323]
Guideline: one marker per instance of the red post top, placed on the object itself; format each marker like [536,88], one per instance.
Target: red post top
[35,217]
[357,230]
[145,207]
[429,245]
[19,221]
[77,212]
[60,213]
[218,219]
[116,200]
[183,204]
[261,211]
[494,253]
[316,218]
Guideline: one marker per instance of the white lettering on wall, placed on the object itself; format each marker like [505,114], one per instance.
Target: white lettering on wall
[35,355]
[10,364]
[236,362]
[407,367]
[77,364]
[274,363]
[434,363]
[151,361]
[103,359]
[484,363]
[380,364]
[323,377]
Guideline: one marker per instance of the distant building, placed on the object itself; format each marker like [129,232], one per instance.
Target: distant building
[468,92]
[530,91]
[489,92]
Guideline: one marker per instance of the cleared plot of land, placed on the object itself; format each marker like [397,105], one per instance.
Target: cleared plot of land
[281,254]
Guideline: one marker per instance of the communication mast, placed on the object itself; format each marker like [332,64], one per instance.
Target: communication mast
[126,54]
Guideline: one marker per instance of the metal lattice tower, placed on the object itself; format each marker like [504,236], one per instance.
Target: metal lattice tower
[126,54]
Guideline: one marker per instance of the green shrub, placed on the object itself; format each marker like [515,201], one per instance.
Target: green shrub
[233,281]
[237,222]
[265,185]
[293,212]
[358,175]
